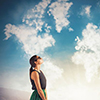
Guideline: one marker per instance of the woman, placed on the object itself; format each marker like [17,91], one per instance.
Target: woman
[38,79]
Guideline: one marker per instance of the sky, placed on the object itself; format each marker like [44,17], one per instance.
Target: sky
[65,33]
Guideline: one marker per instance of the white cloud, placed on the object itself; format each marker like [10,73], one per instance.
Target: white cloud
[88,50]
[35,15]
[59,10]
[86,10]
[32,43]
[47,28]
[70,29]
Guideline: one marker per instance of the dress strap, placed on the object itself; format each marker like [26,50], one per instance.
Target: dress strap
[36,70]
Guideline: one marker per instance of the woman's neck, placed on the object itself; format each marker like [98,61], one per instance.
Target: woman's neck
[37,68]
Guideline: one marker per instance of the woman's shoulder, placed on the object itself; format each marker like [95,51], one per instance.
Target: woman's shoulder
[35,71]
[34,74]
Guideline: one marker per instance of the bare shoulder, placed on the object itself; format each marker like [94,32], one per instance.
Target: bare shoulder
[34,75]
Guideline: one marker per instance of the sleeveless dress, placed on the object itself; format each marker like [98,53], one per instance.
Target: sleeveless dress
[42,78]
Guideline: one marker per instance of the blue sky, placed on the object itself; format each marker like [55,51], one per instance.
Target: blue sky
[65,33]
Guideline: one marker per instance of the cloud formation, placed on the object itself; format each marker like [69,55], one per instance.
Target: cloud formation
[86,10]
[34,16]
[88,50]
[28,35]
[59,10]
[32,43]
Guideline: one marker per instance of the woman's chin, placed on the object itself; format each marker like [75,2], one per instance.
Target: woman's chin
[41,61]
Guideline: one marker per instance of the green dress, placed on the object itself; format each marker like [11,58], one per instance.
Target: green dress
[35,95]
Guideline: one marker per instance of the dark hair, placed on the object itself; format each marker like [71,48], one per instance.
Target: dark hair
[31,61]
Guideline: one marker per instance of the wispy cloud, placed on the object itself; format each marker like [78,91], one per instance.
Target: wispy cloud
[70,29]
[59,10]
[86,10]
[88,50]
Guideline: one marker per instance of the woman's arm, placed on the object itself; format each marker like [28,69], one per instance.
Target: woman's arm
[35,77]
[46,93]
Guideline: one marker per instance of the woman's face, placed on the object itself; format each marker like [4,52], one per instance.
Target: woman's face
[39,60]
